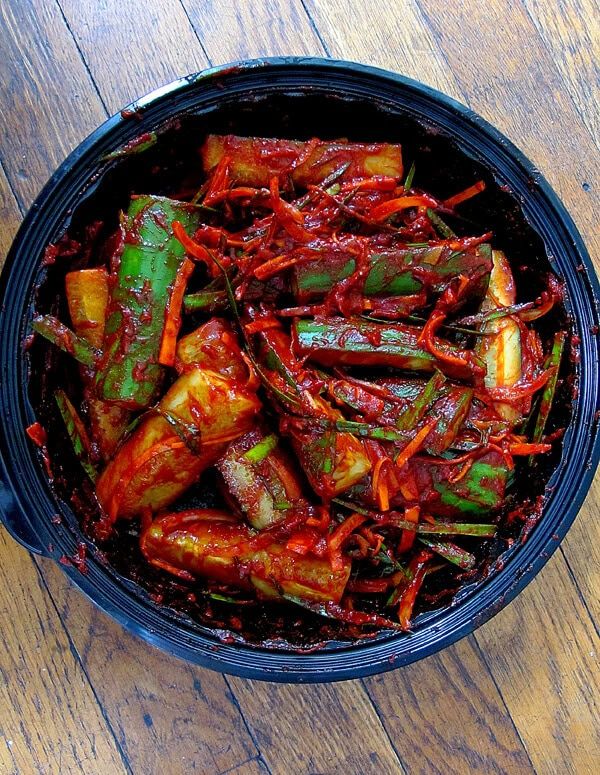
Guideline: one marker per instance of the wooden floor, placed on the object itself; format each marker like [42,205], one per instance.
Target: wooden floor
[78,694]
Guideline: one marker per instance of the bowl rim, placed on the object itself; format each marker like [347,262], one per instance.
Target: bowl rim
[377,655]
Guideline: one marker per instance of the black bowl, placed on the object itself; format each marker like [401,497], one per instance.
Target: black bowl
[300,97]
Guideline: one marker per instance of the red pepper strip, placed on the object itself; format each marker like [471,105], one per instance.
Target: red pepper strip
[339,535]
[261,324]
[168,344]
[240,192]
[288,216]
[380,485]
[462,196]
[219,181]
[386,209]
[194,249]
[276,265]
[529,449]
[418,568]
[37,434]
[415,444]
[369,586]
[408,536]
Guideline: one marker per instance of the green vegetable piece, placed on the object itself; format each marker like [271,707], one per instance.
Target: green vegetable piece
[133,147]
[339,341]
[442,228]
[450,552]
[479,492]
[261,450]
[392,272]
[54,331]
[547,399]
[129,373]
[77,433]
[206,301]
[416,410]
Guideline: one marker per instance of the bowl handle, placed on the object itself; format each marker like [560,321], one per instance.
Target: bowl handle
[17,523]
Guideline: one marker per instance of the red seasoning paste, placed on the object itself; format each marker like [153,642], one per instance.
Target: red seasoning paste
[307,333]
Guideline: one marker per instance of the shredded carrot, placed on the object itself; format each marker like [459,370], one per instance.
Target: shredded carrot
[168,343]
[387,209]
[275,265]
[462,472]
[219,181]
[288,216]
[529,449]
[262,324]
[462,196]
[339,535]
[418,568]
[194,249]
[408,536]
[380,485]
[414,445]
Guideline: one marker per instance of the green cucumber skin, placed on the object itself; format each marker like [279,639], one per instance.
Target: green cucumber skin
[129,373]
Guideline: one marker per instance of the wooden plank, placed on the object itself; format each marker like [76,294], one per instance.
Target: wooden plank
[445,714]
[49,103]
[251,767]
[511,80]
[165,46]
[323,728]
[400,39]
[10,216]
[571,32]
[582,556]
[509,90]
[49,718]
[235,29]
[545,656]
[161,708]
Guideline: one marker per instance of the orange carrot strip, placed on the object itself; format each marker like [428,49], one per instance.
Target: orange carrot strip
[194,249]
[462,196]
[414,445]
[168,344]
[392,206]
[408,536]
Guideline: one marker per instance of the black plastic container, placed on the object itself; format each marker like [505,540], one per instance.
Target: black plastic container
[300,97]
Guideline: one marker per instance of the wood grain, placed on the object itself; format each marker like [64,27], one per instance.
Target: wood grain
[400,40]
[557,132]
[571,33]
[236,29]
[156,43]
[445,714]
[10,216]
[522,95]
[545,655]
[527,700]
[324,728]
[181,714]
[49,718]
[46,91]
